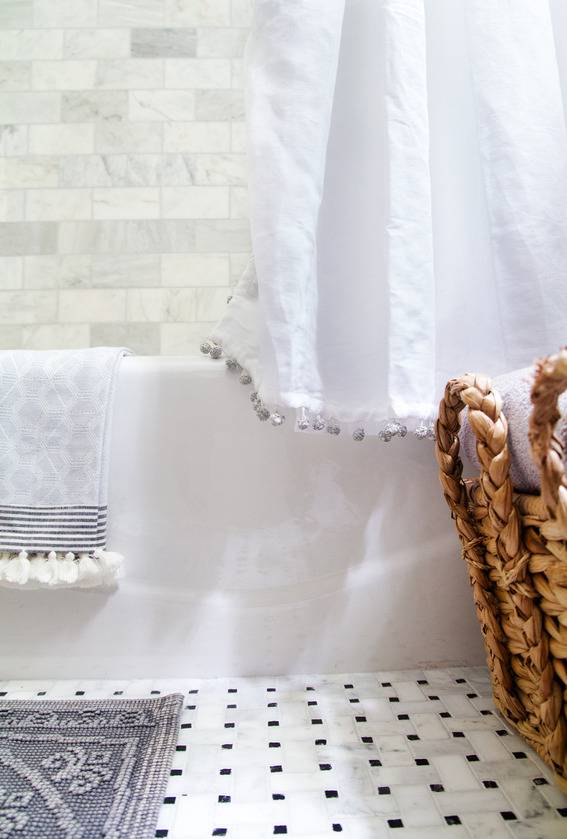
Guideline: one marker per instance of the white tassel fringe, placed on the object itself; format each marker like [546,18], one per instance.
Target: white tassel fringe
[59,570]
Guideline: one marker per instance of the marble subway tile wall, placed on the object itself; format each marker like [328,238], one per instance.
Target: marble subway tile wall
[123,199]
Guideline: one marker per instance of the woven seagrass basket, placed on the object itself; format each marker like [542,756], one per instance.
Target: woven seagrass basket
[515,547]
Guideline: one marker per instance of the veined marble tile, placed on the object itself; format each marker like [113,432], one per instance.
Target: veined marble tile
[161,105]
[197,73]
[45,272]
[13,140]
[96,43]
[28,172]
[126,203]
[127,271]
[161,305]
[237,73]
[242,12]
[219,42]
[127,237]
[195,270]
[130,74]
[11,205]
[94,105]
[219,105]
[11,273]
[16,14]
[15,75]
[101,305]
[232,235]
[10,337]
[210,303]
[22,307]
[63,74]
[195,202]
[130,12]
[219,169]
[120,137]
[26,44]
[93,170]
[239,203]
[29,107]
[62,336]
[58,204]
[20,238]
[239,137]
[75,138]
[50,14]
[190,137]
[164,43]
[141,338]
[197,12]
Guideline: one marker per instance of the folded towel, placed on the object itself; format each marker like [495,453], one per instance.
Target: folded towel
[55,417]
[515,388]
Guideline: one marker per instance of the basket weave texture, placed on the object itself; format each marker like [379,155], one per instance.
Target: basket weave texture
[515,547]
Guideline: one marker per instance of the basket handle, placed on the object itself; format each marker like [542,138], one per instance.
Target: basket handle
[476,392]
[547,449]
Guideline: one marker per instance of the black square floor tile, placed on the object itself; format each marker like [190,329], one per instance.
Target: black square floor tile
[452,820]
[508,816]
[395,823]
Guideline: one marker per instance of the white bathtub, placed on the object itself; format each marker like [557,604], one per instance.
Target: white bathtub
[251,550]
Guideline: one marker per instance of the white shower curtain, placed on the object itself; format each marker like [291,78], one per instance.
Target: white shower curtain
[408,199]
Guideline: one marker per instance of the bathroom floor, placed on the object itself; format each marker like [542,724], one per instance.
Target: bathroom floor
[404,754]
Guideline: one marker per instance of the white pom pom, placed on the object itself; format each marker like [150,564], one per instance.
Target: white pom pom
[88,569]
[52,568]
[18,569]
[68,569]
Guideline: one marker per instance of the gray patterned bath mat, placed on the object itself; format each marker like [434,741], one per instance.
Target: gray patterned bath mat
[84,769]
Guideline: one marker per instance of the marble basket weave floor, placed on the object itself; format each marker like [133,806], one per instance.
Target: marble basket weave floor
[418,754]
[73,769]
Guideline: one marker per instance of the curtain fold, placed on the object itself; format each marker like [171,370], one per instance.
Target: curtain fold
[408,195]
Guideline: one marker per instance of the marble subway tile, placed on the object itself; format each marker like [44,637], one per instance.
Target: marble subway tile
[63,75]
[56,271]
[195,269]
[163,43]
[161,105]
[239,204]
[238,264]
[231,235]
[16,14]
[59,336]
[10,336]
[197,12]
[26,44]
[23,307]
[49,14]
[11,205]
[120,137]
[21,238]
[239,137]
[11,273]
[219,169]
[161,305]
[197,73]
[28,172]
[75,138]
[141,338]
[126,203]
[94,105]
[184,338]
[219,105]
[130,74]
[195,202]
[130,12]
[92,170]
[29,107]
[237,74]
[13,140]
[218,42]
[127,237]
[15,75]
[242,12]
[96,43]
[125,271]
[101,305]
[210,303]
[189,137]
[58,204]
